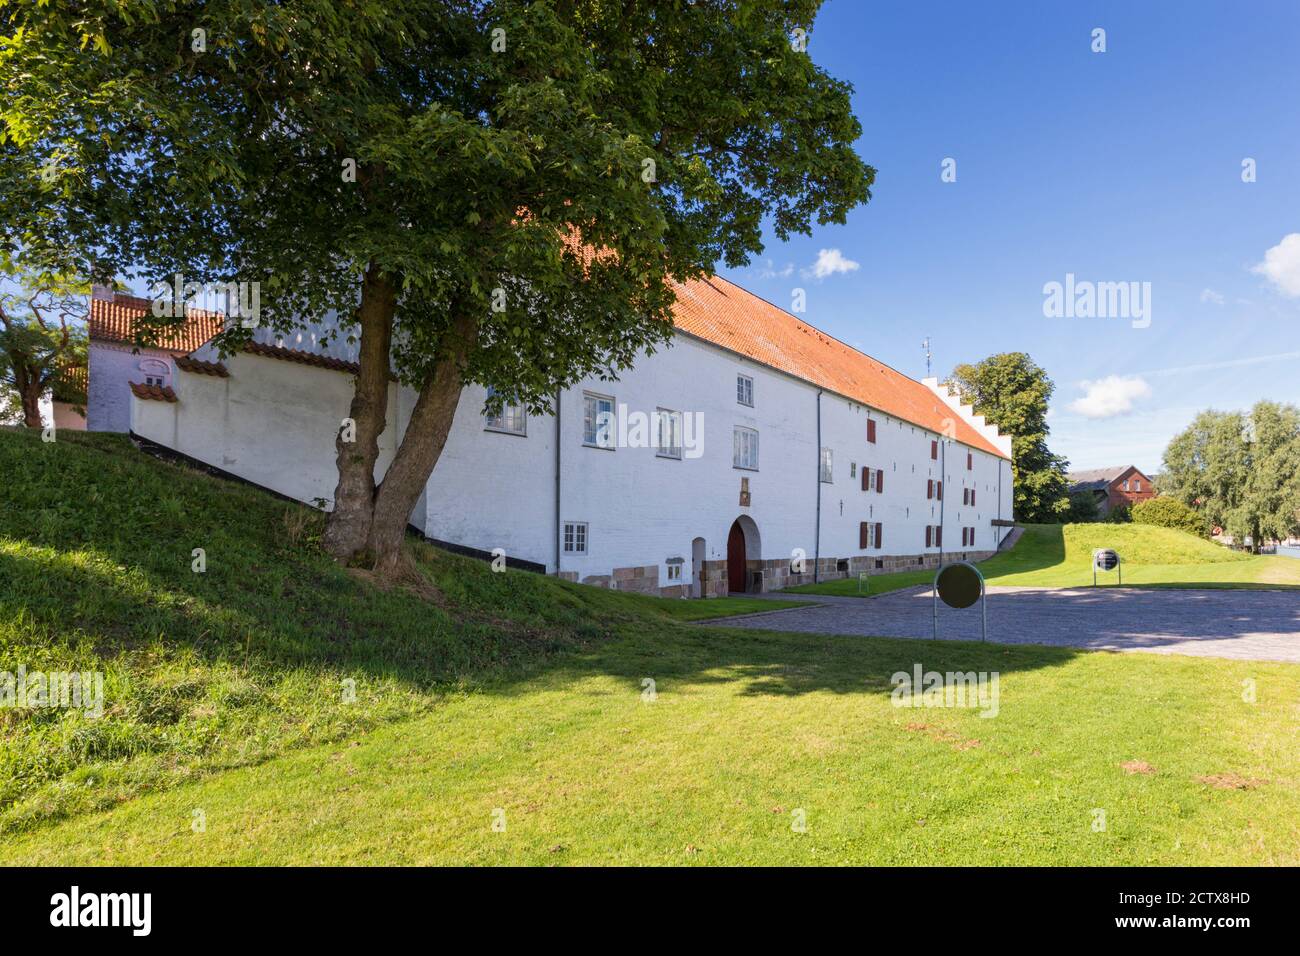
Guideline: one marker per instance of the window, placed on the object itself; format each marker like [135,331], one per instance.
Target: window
[575,537]
[1137,484]
[970,461]
[597,420]
[668,433]
[675,572]
[745,390]
[511,419]
[745,450]
[156,372]
[827,469]
[871,430]
[934,451]
[1126,484]
[853,469]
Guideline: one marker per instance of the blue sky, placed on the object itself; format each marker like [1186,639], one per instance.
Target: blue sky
[1122,166]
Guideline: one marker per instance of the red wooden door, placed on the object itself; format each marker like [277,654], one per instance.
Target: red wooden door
[736,558]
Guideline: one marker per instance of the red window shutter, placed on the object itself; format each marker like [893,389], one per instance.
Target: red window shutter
[972,499]
[938,536]
[871,430]
[880,479]
[862,534]
[866,478]
[878,528]
[929,488]
[929,533]
[934,450]
[938,490]
[970,461]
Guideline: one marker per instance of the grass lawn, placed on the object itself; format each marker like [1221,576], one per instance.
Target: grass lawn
[478,692]
[1059,556]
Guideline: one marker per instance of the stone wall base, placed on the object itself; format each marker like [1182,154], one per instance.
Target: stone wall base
[769,574]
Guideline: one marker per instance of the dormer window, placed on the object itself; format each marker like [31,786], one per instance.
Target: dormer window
[156,372]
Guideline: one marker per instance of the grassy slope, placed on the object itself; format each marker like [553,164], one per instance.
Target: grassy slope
[246,660]
[221,671]
[1061,556]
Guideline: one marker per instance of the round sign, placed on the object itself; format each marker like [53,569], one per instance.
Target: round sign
[959,584]
[1104,559]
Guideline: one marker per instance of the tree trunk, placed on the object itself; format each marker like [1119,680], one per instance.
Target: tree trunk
[425,436]
[31,398]
[348,526]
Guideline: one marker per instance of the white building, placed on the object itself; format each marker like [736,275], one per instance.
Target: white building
[753,453]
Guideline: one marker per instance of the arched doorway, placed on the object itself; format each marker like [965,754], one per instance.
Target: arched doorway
[742,547]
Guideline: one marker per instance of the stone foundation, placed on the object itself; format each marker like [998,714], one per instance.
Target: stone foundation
[773,574]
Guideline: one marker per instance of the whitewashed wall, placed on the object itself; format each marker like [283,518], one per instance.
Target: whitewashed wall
[111,366]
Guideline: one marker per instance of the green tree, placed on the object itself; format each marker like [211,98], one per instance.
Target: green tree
[1012,392]
[1083,507]
[484,192]
[1167,512]
[1241,470]
[42,339]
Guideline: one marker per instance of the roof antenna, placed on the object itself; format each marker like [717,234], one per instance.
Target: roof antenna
[926,346]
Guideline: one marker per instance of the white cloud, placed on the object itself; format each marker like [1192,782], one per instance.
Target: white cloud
[768,270]
[1110,396]
[829,262]
[1281,265]
[1209,295]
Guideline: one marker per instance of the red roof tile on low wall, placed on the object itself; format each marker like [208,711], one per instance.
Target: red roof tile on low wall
[157,393]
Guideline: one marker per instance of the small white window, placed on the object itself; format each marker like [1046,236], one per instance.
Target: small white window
[575,537]
[828,471]
[1126,484]
[668,433]
[853,469]
[597,420]
[511,419]
[745,451]
[745,390]
[674,572]
[1137,484]
[156,372]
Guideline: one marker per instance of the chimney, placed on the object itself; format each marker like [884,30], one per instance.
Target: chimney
[98,291]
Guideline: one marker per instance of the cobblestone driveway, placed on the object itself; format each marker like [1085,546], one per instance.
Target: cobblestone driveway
[1247,625]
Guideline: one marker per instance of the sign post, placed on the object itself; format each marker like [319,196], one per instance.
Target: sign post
[1105,559]
[960,585]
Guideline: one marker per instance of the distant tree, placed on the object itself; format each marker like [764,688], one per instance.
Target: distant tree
[1168,512]
[42,339]
[1120,514]
[1241,470]
[1083,507]
[1012,392]
[491,192]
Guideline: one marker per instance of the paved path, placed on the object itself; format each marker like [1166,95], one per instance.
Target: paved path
[1246,625]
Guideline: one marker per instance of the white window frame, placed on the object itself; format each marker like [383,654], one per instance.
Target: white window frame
[674,421]
[156,372]
[573,534]
[611,432]
[745,390]
[827,466]
[744,448]
[513,419]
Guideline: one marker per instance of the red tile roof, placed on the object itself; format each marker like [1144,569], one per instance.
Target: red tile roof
[304,358]
[120,320]
[723,313]
[158,393]
[200,367]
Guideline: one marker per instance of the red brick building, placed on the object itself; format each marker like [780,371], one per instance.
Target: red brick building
[1122,484]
